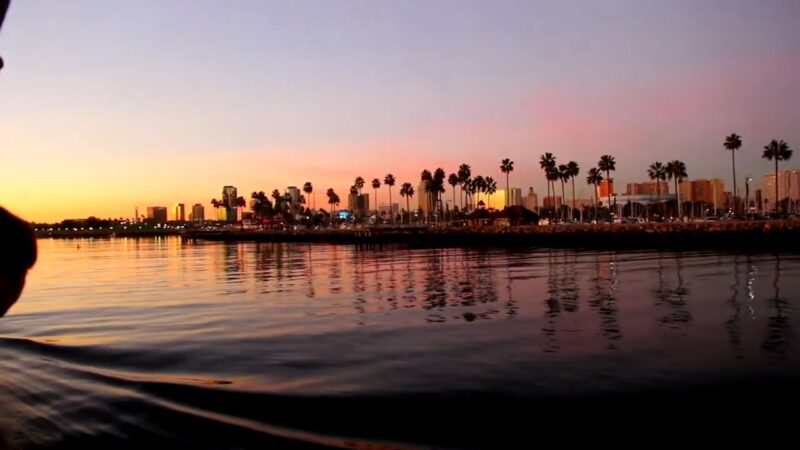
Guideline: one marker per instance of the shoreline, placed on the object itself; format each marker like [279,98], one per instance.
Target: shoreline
[781,235]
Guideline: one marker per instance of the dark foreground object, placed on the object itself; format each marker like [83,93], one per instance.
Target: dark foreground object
[755,411]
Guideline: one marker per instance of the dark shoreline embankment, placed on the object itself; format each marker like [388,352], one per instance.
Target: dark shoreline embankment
[105,234]
[750,236]
[783,236]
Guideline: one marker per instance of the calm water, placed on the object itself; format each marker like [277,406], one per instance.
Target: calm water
[244,345]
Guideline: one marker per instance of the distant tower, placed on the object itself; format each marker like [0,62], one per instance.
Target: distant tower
[179,212]
[158,214]
[294,193]
[198,213]
[229,196]
[136,215]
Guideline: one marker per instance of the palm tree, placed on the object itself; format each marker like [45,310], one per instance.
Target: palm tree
[490,187]
[552,176]
[472,189]
[389,180]
[359,184]
[563,175]
[573,171]
[547,162]
[479,186]
[438,189]
[452,180]
[464,174]
[407,191]
[507,166]
[280,201]
[733,143]
[376,183]
[427,184]
[594,177]
[778,151]
[676,170]
[333,200]
[260,205]
[308,189]
[289,206]
[657,172]
[607,164]
[239,202]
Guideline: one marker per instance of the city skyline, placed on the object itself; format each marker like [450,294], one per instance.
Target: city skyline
[158,103]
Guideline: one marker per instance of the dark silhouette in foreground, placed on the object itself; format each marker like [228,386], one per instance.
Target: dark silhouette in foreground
[18,246]
[3,9]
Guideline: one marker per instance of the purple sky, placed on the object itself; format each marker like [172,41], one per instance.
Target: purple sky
[107,105]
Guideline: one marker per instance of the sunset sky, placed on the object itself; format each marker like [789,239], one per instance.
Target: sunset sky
[109,105]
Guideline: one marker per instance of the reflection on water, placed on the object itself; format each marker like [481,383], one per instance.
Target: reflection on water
[732,325]
[603,299]
[672,296]
[779,338]
[138,322]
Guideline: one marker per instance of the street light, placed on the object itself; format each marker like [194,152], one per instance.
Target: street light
[747,181]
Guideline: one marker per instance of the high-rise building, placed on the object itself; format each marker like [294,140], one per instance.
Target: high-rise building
[222,214]
[352,201]
[358,203]
[426,200]
[531,201]
[551,202]
[515,197]
[581,203]
[179,212]
[711,192]
[788,186]
[157,213]
[648,188]
[605,188]
[229,196]
[294,194]
[198,213]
